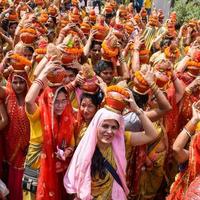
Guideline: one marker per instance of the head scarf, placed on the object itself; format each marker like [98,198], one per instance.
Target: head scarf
[54,134]
[78,177]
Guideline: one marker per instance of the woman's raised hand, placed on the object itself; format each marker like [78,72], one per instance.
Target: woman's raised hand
[149,75]
[196,111]
[50,66]
[133,106]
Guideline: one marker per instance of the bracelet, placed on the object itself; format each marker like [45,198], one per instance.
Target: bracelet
[62,35]
[189,91]
[154,87]
[47,57]
[139,112]
[39,82]
[70,87]
[136,49]
[190,126]
[174,78]
[187,132]
[153,84]
[121,60]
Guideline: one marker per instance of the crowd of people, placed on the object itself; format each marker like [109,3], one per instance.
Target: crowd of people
[98,104]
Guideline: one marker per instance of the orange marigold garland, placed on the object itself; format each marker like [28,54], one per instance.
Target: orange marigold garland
[28,30]
[74,51]
[193,63]
[140,78]
[19,62]
[168,52]
[118,89]
[110,52]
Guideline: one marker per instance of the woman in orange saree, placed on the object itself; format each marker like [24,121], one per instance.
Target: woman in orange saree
[189,159]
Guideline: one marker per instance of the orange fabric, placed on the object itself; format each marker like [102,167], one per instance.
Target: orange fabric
[61,133]
[180,186]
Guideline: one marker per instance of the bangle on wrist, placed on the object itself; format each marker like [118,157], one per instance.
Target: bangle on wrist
[174,78]
[187,132]
[121,59]
[188,90]
[154,87]
[39,82]
[191,126]
[152,84]
[139,112]
[47,57]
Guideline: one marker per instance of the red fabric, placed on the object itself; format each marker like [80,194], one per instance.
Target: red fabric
[15,183]
[17,133]
[1,157]
[171,118]
[193,192]
[48,183]
[185,77]
[186,108]
[16,140]
[185,178]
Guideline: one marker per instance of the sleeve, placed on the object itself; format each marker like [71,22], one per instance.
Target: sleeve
[132,122]
[35,115]
[127,136]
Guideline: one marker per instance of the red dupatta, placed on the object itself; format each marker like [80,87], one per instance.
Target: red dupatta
[55,134]
[17,133]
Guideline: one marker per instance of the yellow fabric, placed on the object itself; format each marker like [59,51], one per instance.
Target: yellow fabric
[198,126]
[36,138]
[151,178]
[28,195]
[128,146]
[147,3]
[74,100]
[102,188]
[81,133]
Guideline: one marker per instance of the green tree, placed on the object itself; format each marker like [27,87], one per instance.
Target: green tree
[186,10]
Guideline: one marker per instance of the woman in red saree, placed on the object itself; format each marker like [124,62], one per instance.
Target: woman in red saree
[57,123]
[16,134]
[188,172]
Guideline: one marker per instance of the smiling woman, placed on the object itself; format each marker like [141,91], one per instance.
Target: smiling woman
[98,166]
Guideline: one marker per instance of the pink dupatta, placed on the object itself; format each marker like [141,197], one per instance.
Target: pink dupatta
[78,176]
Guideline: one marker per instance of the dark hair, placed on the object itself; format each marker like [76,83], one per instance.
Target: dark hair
[97,166]
[29,48]
[73,70]
[62,90]
[95,98]
[140,99]
[102,65]
[53,19]
[95,43]
[11,23]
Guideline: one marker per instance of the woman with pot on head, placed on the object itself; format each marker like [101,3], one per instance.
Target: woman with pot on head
[17,132]
[88,175]
[89,105]
[105,70]
[188,159]
[52,135]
